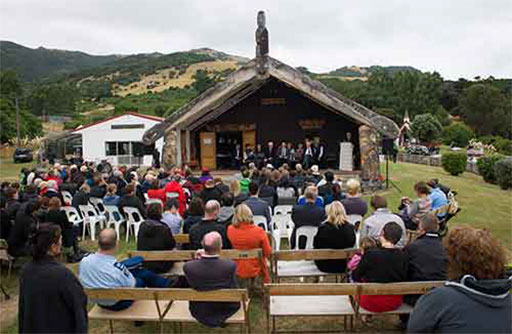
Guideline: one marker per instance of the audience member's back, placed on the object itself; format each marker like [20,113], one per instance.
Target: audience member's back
[426,255]
[477,298]
[353,203]
[155,235]
[211,273]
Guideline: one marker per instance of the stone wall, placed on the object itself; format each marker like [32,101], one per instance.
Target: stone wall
[432,161]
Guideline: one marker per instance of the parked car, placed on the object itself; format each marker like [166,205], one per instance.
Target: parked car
[417,149]
[23,155]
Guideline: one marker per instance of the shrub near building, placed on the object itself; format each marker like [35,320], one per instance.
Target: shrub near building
[457,134]
[503,172]
[454,163]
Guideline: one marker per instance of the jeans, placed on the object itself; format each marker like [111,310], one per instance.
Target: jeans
[143,278]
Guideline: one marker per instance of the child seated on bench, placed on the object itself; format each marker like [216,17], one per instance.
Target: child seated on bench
[365,244]
[385,264]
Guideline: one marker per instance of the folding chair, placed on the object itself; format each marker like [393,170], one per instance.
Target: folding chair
[68,198]
[261,221]
[134,219]
[72,214]
[114,218]
[91,218]
[308,232]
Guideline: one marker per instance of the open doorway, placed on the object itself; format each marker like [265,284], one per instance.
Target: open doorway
[226,147]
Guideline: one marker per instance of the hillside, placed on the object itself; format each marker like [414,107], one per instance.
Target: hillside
[362,73]
[33,64]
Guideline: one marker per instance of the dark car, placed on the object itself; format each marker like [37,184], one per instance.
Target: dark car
[23,155]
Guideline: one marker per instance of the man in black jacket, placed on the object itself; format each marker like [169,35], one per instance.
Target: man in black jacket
[211,273]
[306,215]
[24,225]
[210,192]
[208,224]
[426,256]
[52,300]
[132,200]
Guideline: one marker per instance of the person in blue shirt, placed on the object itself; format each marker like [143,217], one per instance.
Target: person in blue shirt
[111,197]
[102,270]
[438,199]
[319,201]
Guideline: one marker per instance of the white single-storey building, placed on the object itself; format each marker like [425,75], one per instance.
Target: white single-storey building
[118,139]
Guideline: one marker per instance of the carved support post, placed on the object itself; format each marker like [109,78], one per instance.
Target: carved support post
[170,149]
[178,147]
[187,145]
[369,154]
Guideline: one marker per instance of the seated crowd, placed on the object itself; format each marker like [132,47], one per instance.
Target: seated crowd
[216,215]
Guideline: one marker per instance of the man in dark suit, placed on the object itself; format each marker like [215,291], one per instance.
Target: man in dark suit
[270,153]
[208,224]
[258,206]
[208,273]
[306,215]
[282,154]
[309,155]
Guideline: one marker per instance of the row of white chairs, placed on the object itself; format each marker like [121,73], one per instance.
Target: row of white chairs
[96,213]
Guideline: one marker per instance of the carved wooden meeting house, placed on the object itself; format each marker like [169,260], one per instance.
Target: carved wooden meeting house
[268,100]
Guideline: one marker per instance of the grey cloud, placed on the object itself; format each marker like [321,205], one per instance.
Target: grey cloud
[456,38]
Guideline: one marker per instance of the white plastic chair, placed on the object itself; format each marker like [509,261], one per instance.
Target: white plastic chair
[308,232]
[91,218]
[98,205]
[115,218]
[153,200]
[355,220]
[134,219]
[261,221]
[68,198]
[283,210]
[72,214]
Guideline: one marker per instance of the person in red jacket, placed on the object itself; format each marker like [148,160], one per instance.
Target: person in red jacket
[156,192]
[175,187]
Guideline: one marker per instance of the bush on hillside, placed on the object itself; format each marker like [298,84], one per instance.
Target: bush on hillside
[457,134]
[454,162]
[502,145]
[486,165]
[503,172]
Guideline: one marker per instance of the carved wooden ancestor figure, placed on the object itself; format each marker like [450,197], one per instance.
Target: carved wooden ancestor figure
[262,43]
[170,149]
[369,154]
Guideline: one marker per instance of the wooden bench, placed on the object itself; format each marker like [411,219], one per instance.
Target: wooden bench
[181,239]
[335,299]
[300,263]
[166,305]
[181,256]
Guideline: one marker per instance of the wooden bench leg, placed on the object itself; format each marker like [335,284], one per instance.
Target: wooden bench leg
[111,326]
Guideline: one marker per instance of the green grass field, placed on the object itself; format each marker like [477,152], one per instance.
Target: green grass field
[483,205]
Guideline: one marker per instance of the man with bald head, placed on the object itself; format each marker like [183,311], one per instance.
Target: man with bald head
[208,224]
[210,272]
[101,270]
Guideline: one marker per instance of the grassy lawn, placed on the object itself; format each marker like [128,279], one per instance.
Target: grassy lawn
[483,205]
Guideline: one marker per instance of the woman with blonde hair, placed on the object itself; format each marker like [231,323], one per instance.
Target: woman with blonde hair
[354,204]
[335,233]
[244,235]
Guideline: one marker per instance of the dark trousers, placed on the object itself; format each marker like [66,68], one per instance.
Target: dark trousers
[308,162]
[143,278]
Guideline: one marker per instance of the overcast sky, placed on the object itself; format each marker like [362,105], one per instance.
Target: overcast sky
[457,38]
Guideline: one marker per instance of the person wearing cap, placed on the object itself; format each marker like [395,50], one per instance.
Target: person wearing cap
[210,192]
[315,174]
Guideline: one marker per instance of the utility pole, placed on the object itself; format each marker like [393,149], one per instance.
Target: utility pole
[17,122]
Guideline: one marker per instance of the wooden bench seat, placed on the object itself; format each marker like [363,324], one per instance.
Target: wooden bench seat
[310,305]
[140,310]
[299,269]
[334,299]
[403,309]
[166,305]
[300,263]
[179,312]
[176,270]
